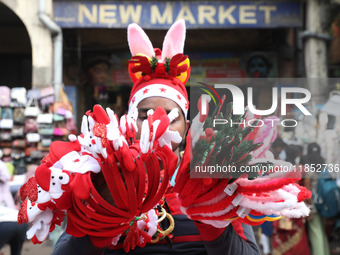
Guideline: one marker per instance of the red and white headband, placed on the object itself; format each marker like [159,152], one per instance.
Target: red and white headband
[157,73]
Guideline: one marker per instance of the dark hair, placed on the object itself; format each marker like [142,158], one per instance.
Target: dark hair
[292,152]
[314,154]
[278,143]
[96,60]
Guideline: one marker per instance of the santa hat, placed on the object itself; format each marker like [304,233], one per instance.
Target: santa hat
[58,149]
[159,73]
[43,175]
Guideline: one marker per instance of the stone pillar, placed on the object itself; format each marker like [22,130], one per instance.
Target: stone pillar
[316,52]
[40,36]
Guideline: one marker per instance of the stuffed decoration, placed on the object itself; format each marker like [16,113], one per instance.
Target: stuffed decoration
[39,210]
[64,182]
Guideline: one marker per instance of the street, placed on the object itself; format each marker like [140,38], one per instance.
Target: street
[31,249]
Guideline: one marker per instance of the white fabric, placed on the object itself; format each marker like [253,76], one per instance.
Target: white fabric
[6,198]
[265,241]
[159,90]
[8,214]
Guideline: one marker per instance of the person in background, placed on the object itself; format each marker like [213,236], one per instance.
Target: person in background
[316,224]
[99,90]
[267,227]
[278,149]
[10,231]
[289,235]
[97,75]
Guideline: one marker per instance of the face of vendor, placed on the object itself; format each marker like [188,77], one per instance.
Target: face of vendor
[179,124]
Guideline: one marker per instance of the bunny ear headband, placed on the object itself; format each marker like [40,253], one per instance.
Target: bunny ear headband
[159,73]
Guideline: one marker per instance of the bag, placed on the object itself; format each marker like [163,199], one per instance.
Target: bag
[5,136]
[36,154]
[46,142]
[19,115]
[46,130]
[17,154]
[57,117]
[47,100]
[33,137]
[32,110]
[19,143]
[61,111]
[47,96]
[5,96]
[6,113]
[46,118]
[58,132]
[19,95]
[327,197]
[18,131]
[33,93]
[6,123]
[43,148]
[31,125]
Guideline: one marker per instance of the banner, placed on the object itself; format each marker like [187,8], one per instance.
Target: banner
[159,15]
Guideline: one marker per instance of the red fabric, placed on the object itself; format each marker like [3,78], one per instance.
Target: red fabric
[30,190]
[43,175]
[132,196]
[238,229]
[282,237]
[58,149]
[22,215]
[208,232]
[174,204]
[99,114]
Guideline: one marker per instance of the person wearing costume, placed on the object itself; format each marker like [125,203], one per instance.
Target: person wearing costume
[189,237]
[125,188]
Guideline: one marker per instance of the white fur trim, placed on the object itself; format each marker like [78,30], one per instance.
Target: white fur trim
[160,90]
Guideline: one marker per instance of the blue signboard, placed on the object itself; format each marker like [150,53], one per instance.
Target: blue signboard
[157,15]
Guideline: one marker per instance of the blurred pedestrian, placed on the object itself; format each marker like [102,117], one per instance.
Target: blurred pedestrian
[10,231]
[278,148]
[97,72]
[289,235]
[316,224]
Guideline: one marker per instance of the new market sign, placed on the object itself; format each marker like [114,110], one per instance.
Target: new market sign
[155,15]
